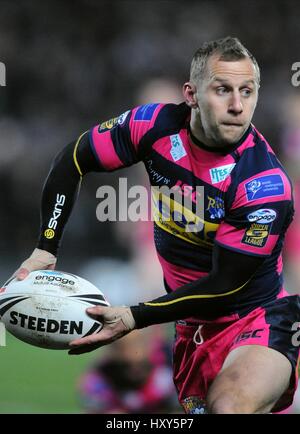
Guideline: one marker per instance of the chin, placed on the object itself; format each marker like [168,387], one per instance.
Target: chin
[230,136]
[227,140]
[231,139]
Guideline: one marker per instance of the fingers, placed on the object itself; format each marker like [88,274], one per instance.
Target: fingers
[22,273]
[103,337]
[108,334]
[96,312]
[85,345]
[88,340]
[117,322]
[39,260]
[83,349]
[89,343]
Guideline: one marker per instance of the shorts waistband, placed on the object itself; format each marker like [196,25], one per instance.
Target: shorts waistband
[187,330]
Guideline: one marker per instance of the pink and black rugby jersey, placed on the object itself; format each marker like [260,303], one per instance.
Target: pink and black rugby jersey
[246,195]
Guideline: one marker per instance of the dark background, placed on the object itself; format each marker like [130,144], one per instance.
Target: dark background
[72,64]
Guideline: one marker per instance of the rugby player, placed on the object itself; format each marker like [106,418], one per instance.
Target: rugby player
[234,351]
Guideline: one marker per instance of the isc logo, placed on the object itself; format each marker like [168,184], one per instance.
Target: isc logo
[248,334]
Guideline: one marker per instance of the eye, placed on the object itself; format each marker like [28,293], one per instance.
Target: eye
[221,90]
[246,92]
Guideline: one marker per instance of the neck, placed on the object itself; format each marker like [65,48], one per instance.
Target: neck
[197,129]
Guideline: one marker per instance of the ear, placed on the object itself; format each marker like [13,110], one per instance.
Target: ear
[190,94]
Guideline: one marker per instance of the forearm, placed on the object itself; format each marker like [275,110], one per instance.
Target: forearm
[61,190]
[58,197]
[200,298]
[208,297]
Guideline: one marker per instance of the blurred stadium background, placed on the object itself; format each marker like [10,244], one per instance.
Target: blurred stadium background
[73,64]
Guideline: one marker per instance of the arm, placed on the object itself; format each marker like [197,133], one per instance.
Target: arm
[58,197]
[230,273]
[111,145]
[61,190]
[206,297]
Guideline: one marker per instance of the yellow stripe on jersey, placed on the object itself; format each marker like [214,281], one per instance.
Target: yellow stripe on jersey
[191,228]
[193,297]
[75,152]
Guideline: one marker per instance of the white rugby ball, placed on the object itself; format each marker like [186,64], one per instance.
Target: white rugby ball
[47,309]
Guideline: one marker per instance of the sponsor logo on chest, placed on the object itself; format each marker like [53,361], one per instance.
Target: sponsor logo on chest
[177,149]
[219,174]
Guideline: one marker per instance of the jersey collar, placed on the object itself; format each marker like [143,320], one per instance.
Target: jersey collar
[223,151]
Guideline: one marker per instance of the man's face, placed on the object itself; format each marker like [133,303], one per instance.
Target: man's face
[226,98]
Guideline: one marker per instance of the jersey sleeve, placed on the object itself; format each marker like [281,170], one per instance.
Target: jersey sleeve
[260,213]
[124,140]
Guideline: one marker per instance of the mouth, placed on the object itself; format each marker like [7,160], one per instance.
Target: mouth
[231,124]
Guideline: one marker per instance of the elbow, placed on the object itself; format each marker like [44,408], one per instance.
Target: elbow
[227,284]
[65,162]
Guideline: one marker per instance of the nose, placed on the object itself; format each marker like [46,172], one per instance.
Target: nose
[235,104]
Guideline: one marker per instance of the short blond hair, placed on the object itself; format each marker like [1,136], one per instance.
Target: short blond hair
[229,49]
